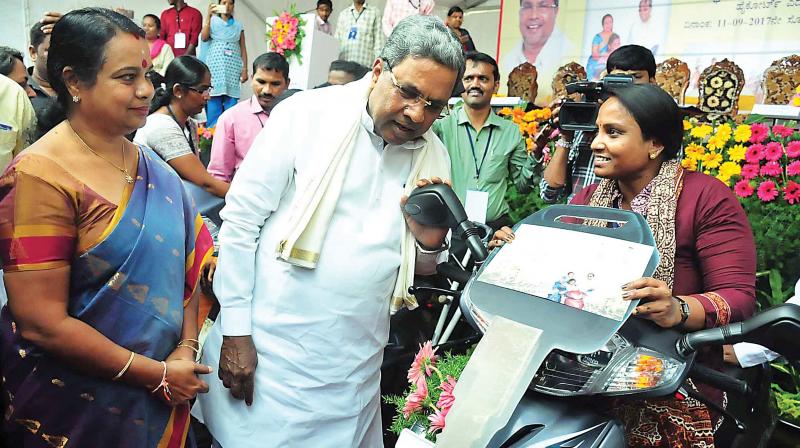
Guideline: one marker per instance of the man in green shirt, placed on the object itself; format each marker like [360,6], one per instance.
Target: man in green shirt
[486,151]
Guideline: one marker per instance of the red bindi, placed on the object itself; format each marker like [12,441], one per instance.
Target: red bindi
[144,63]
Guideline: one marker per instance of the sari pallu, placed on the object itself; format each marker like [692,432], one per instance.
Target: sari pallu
[132,287]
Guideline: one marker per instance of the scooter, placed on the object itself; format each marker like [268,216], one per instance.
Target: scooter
[639,360]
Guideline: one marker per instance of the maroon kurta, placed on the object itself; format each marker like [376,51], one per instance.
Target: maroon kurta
[715,256]
[715,262]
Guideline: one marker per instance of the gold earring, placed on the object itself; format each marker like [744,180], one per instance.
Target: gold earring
[653,156]
[76,99]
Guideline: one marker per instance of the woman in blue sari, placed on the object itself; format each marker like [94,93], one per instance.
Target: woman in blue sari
[224,51]
[600,49]
[102,250]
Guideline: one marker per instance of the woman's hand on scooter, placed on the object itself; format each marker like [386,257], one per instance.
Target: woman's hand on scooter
[502,236]
[657,302]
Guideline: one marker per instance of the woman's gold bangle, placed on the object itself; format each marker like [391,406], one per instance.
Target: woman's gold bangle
[125,369]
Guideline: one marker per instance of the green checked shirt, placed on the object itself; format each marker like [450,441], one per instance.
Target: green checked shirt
[506,159]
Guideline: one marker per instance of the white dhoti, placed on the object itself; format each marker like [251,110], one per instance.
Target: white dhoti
[319,333]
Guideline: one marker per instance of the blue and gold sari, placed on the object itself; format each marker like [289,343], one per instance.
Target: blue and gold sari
[131,286]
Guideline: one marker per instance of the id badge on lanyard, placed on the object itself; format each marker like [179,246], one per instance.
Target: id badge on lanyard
[180,36]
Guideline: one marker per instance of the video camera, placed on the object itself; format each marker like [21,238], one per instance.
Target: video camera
[582,115]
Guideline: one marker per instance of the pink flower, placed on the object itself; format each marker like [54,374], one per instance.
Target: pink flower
[425,358]
[437,421]
[446,399]
[767,191]
[782,131]
[791,192]
[793,169]
[771,169]
[207,134]
[754,153]
[758,133]
[749,171]
[743,189]
[773,151]
[416,399]
[793,149]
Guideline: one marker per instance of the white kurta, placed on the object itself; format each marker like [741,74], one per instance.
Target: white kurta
[319,333]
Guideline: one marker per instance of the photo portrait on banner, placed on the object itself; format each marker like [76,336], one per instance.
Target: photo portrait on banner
[551,33]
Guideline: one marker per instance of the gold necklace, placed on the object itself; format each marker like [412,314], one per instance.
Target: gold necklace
[123,170]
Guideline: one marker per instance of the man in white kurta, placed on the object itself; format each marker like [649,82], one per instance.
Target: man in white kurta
[319,333]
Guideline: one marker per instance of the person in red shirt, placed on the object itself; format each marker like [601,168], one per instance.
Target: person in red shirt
[180,27]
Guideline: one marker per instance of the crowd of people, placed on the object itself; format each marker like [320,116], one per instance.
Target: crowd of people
[102,246]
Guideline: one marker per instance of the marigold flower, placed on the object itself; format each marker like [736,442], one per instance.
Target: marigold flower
[736,153]
[791,192]
[767,191]
[689,163]
[532,128]
[743,189]
[701,131]
[749,171]
[754,153]
[793,149]
[773,151]
[518,114]
[730,169]
[793,169]
[687,125]
[504,111]
[758,133]
[712,160]
[742,133]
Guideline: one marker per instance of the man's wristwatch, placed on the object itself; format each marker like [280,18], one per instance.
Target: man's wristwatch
[684,311]
[423,250]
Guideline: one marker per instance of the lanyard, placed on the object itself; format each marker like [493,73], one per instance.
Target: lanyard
[478,168]
[178,18]
[359,14]
[415,6]
[257,115]
[189,128]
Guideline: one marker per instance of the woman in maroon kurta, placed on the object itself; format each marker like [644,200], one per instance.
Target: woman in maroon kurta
[704,239]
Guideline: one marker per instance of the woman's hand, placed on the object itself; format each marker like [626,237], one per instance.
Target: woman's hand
[183,381]
[207,278]
[244,77]
[501,237]
[211,11]
[657,302]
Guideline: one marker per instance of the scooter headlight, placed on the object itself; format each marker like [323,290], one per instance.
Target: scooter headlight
[617,369]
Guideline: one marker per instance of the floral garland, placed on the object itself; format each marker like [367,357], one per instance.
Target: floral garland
[286,34]
[528,122]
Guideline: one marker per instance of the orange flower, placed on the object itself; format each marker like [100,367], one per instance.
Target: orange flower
[531,128]
[504,111]
[518,114]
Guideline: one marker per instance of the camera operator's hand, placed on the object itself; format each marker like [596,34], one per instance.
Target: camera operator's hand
[555,106]
[501,237]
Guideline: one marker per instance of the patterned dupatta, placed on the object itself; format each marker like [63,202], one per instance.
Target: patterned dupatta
[131,287]
[659,422]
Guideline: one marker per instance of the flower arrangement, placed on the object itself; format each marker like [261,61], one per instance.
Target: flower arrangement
[286,34]
[206,137]
[528,122]
[429,397]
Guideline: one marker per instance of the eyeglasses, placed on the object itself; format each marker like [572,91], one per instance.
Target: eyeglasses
[204,91]
[543,5]
[411,97]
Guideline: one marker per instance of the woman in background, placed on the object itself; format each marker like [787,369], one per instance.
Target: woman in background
[226,56]
[171,132]
[102,250]
[600,51]
[160,51]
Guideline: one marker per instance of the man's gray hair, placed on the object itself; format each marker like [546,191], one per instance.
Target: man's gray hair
[424,37]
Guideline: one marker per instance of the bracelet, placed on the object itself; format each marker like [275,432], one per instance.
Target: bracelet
[189,340]
[125,369]
[164,385]
[422,250]
[196,350]
[564,143]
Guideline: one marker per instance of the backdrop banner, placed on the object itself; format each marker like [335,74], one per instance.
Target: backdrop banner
[551,33]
